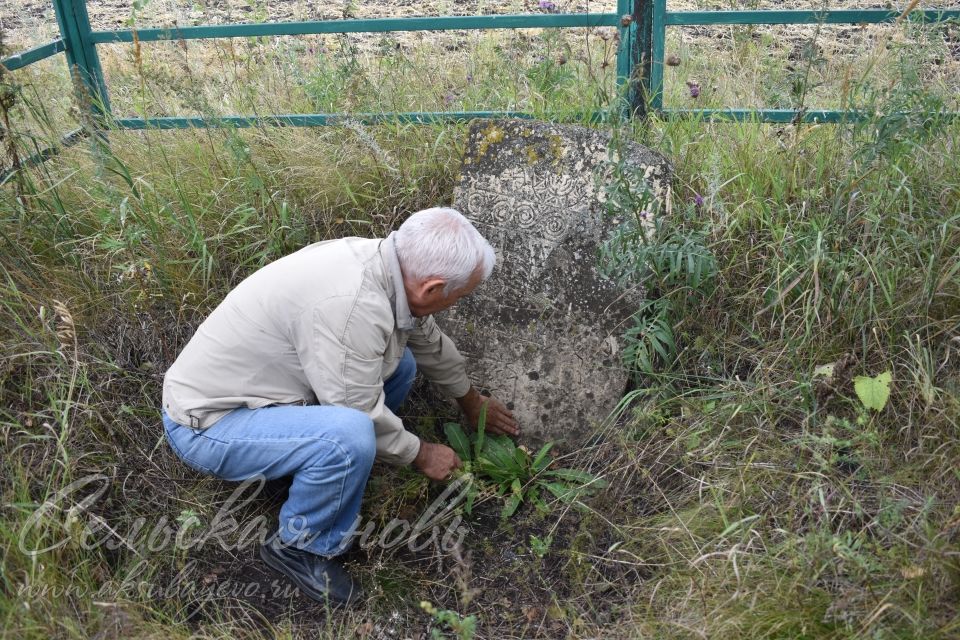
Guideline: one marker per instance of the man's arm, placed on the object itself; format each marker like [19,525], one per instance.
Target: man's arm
[437,357]
[344,367]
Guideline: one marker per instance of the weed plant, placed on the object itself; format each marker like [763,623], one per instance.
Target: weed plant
[513,472]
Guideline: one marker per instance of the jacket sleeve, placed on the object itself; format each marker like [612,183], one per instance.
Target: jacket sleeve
[437,357]
[343,364]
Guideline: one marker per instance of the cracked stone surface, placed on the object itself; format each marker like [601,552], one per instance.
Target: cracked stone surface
[544,332]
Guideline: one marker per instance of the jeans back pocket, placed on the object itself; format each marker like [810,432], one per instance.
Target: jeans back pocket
[199,451]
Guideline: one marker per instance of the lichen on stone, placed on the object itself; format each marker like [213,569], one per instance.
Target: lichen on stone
[557,149]
[492,134]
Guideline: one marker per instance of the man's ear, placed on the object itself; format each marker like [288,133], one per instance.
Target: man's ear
[433,287]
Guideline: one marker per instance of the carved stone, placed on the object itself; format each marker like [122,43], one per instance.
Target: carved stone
[544,332]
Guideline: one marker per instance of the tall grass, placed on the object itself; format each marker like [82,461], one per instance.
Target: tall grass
[786,510]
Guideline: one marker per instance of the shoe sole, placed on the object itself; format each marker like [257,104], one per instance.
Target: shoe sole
[307,590]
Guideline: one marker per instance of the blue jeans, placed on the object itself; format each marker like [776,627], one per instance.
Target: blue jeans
[328,450]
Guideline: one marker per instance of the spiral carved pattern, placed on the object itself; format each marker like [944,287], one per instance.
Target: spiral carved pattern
[555,228]
[542,210]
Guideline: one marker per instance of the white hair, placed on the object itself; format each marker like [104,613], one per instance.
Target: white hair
[441,243]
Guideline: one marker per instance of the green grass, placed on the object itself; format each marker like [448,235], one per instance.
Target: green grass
[744,499]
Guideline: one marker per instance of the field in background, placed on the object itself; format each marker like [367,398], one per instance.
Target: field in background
[750,493]
[555,72]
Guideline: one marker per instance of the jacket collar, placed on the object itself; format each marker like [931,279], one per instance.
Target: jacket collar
[398,296]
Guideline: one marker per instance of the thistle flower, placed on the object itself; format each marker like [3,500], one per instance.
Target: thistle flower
[694,87]
[698,200]
[547,5]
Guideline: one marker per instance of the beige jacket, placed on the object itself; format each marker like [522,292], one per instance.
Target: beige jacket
[327,324]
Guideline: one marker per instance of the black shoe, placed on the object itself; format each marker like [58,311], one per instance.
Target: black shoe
[317,577]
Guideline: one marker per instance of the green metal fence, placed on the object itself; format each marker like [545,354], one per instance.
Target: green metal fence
[642,28]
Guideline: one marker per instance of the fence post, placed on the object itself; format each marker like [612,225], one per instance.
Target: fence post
[642,55]
[625,57]
[658,36]
[82,55]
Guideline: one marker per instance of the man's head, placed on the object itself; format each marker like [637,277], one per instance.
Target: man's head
[442,257]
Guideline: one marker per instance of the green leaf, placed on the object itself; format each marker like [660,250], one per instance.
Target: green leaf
[873,392]
[496,472]
[576,476]
[458,440]
[467,628]
[471,496]
[513,503]
[481,427]
[541,461]
[538,502]
[561,491]
[521,458]
[499,450]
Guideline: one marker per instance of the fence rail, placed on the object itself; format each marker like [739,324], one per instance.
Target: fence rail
[372,25]
[641,25]
[35,54]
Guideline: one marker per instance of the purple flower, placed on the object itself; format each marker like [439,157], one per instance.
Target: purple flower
[698,200]
[547,5]
[694,88]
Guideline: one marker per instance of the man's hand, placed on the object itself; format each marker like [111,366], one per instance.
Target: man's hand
[499,419]
[436,461]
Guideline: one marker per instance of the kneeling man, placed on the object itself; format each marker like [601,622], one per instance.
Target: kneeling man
[300,372]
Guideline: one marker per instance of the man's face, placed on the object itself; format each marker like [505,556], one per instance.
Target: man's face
[427,297]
